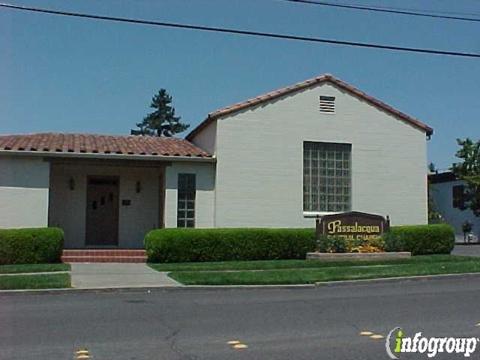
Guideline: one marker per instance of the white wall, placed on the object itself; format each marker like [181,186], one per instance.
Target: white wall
[206,139]
[260,159]
[442,196]
[24,183]
[205,195]
[68,207]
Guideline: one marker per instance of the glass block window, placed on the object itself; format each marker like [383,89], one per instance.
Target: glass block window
[186,200]
[326,177]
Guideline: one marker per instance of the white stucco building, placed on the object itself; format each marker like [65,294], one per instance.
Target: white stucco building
[277,160]
[447,195]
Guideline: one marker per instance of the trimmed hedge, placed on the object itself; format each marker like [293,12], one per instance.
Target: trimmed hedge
[30,246]
[190,245]
[331,244]
[421,239]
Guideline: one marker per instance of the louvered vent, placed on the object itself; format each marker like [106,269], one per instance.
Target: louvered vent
[327,104]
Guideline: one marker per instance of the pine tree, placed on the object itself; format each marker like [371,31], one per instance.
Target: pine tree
[162,121]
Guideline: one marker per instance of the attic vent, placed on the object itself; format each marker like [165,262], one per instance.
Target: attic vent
[327,104]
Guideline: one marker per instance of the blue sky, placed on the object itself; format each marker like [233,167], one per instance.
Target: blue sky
[74,75]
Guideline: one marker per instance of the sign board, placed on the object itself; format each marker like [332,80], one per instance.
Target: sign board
[352,225]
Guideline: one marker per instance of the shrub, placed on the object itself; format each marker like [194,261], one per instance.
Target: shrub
[30,246]
[185,245]
[338,244]
[372,245]
[420,239]
[366,249]
[332,244]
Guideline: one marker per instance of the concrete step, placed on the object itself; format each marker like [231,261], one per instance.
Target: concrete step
[104,252]
[104,259]
[104,255]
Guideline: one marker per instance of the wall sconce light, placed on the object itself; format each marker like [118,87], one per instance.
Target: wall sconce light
[71,183]
[138,187]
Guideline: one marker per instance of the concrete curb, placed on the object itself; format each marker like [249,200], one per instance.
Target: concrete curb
[286,286]
[151,288]
[398,279]
[340,283]
[36,273]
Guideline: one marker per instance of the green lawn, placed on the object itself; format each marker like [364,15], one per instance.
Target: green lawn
[311,271]
[296,264]
[31,268]
[40,281]
[47,281]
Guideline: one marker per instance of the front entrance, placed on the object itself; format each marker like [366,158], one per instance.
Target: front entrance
[102,211]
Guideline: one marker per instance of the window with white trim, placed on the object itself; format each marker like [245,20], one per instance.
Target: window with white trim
[186,200]
[326,177]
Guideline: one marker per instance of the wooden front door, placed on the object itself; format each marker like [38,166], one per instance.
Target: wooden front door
[102,211]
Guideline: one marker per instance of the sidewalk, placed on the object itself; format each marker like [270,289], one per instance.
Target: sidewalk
[117,275]
[467,250]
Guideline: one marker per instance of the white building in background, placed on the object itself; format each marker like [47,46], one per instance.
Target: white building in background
[277,160]
[447,194]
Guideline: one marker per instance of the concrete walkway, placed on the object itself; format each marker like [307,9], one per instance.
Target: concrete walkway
[117,275]
[466,250]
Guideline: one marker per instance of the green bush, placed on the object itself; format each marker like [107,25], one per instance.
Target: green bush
[185,245]
[30,246]
[331,244]
[420,239]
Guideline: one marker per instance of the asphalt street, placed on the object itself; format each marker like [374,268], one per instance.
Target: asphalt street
[317,323]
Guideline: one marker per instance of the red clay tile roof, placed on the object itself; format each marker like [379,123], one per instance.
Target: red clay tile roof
[303,85]
[100,144]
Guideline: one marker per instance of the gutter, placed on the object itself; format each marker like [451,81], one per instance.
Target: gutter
[104,156]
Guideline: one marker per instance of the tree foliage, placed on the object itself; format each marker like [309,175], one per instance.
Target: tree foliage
[469,171]
[434,216]
[162,121]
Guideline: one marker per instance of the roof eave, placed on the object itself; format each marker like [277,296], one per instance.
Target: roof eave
[48,154]
[419,125]
[200,127]
[307,84]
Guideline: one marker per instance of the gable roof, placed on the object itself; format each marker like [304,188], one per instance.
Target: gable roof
[304,85]
[129,146]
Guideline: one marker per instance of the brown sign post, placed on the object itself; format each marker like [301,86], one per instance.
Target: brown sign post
[352,225]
